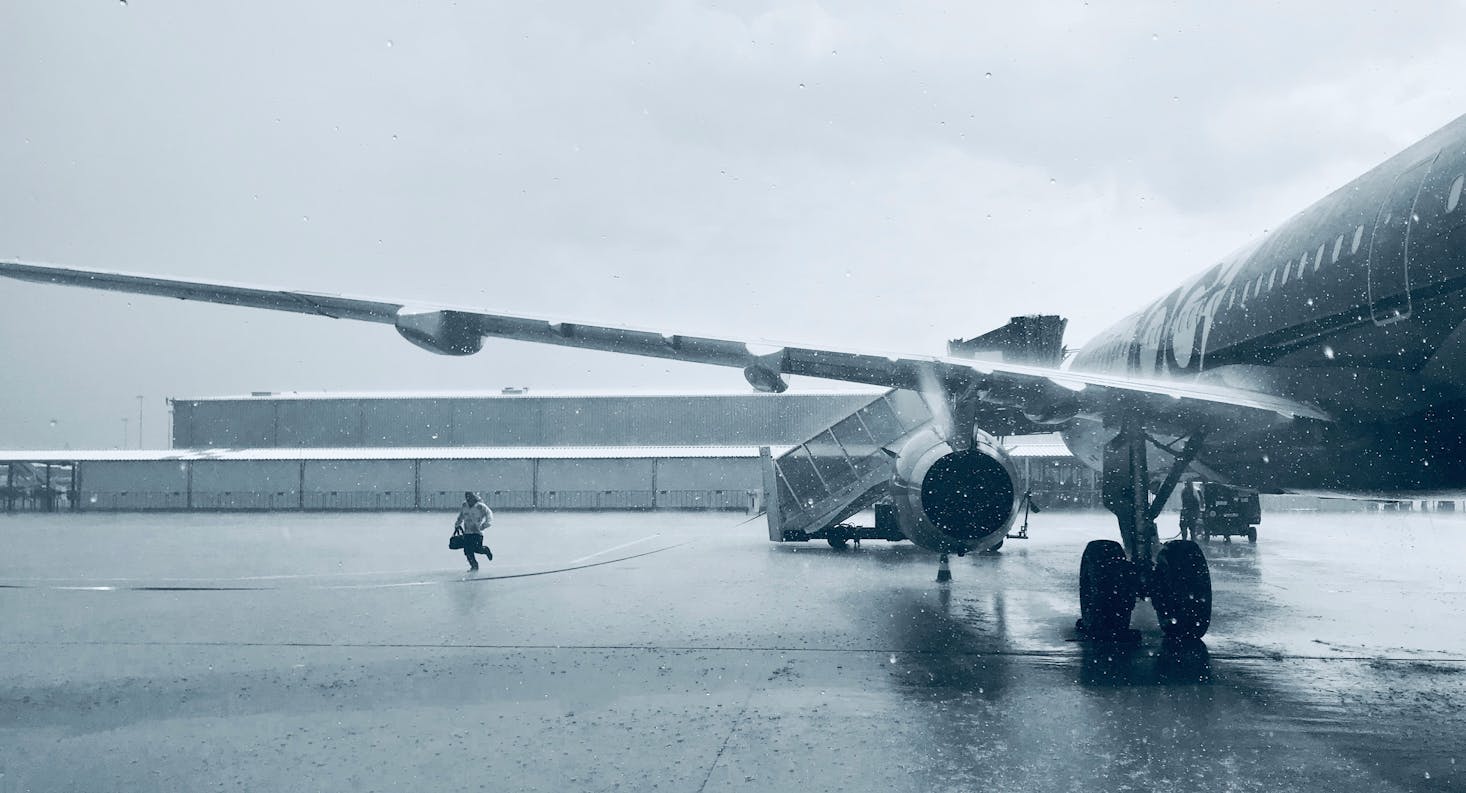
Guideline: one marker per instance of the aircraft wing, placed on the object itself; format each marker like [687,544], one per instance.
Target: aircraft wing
[1042,394]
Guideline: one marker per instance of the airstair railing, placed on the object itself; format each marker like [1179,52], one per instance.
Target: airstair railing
[842,469]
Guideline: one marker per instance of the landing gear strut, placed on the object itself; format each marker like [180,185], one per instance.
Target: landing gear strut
[1112,576]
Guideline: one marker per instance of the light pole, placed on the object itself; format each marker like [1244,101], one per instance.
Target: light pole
[124,433]
[140,399]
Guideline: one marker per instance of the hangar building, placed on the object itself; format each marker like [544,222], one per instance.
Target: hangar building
[521,449]
[509,418]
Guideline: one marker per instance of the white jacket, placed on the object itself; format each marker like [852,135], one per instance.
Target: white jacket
[474,518]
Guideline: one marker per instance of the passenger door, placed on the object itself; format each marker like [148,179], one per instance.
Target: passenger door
[1389,247]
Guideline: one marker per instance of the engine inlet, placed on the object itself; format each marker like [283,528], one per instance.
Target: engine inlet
[967,494]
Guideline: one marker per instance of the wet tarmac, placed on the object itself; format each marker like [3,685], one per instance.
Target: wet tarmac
[683,652]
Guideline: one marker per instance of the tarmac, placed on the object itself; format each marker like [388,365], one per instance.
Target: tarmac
[684,652]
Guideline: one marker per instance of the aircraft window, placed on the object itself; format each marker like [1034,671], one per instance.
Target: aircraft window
[1232,298]
[1338,246]
[1287,270]
[1272,279]
[1318,258]
[1455,196]
[1358,238]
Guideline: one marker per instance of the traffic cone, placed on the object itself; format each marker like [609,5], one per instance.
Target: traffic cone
[944,571]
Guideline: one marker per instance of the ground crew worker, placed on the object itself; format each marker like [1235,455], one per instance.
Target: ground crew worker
[1190,511]
[473,518]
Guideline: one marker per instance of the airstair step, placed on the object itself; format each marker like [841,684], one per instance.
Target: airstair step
[842,470]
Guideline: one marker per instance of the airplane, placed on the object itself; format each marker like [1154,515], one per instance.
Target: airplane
[1327,357]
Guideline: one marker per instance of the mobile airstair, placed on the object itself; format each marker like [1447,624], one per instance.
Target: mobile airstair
[812,489]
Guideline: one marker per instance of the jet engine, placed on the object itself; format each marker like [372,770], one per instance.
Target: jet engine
[442,332]
[951,500]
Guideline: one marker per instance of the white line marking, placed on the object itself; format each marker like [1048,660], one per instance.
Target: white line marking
[171,586]
[185,580]
[616,548]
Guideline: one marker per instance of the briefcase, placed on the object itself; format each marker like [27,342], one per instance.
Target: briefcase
[455,543]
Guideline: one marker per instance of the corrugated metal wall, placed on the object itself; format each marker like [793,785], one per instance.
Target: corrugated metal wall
[595,484]
[222,424]
[134,485]
[245,484]
[359,484]
[700,483]
[402,422]
[716,420]
[495,422]
[506,484]
[319,423]
[590,483]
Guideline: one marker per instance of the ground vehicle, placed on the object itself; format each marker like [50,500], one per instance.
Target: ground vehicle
[1222,511]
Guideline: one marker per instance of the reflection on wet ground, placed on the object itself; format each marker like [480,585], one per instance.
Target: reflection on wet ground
[1174,663]
[719,661]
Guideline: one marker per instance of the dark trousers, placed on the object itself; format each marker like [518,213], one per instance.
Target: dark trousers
[474,544]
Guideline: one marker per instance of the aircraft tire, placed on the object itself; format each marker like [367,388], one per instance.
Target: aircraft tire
[1252,534]
[838,542]
[1182,590]
[1107,589]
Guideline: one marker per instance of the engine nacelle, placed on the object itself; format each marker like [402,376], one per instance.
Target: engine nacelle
[442,332]
[954,501]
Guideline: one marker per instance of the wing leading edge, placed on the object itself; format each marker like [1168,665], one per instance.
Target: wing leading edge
[1043,394]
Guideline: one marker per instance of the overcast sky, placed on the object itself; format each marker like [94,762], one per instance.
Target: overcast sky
[869,174]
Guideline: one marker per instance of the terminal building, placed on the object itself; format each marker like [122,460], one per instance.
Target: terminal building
[520,449]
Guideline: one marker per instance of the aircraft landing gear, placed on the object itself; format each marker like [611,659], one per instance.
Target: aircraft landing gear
[1112,575]
[1107,592]
[1180,590]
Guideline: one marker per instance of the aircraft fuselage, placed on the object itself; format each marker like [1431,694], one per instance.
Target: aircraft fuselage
[1356,305]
